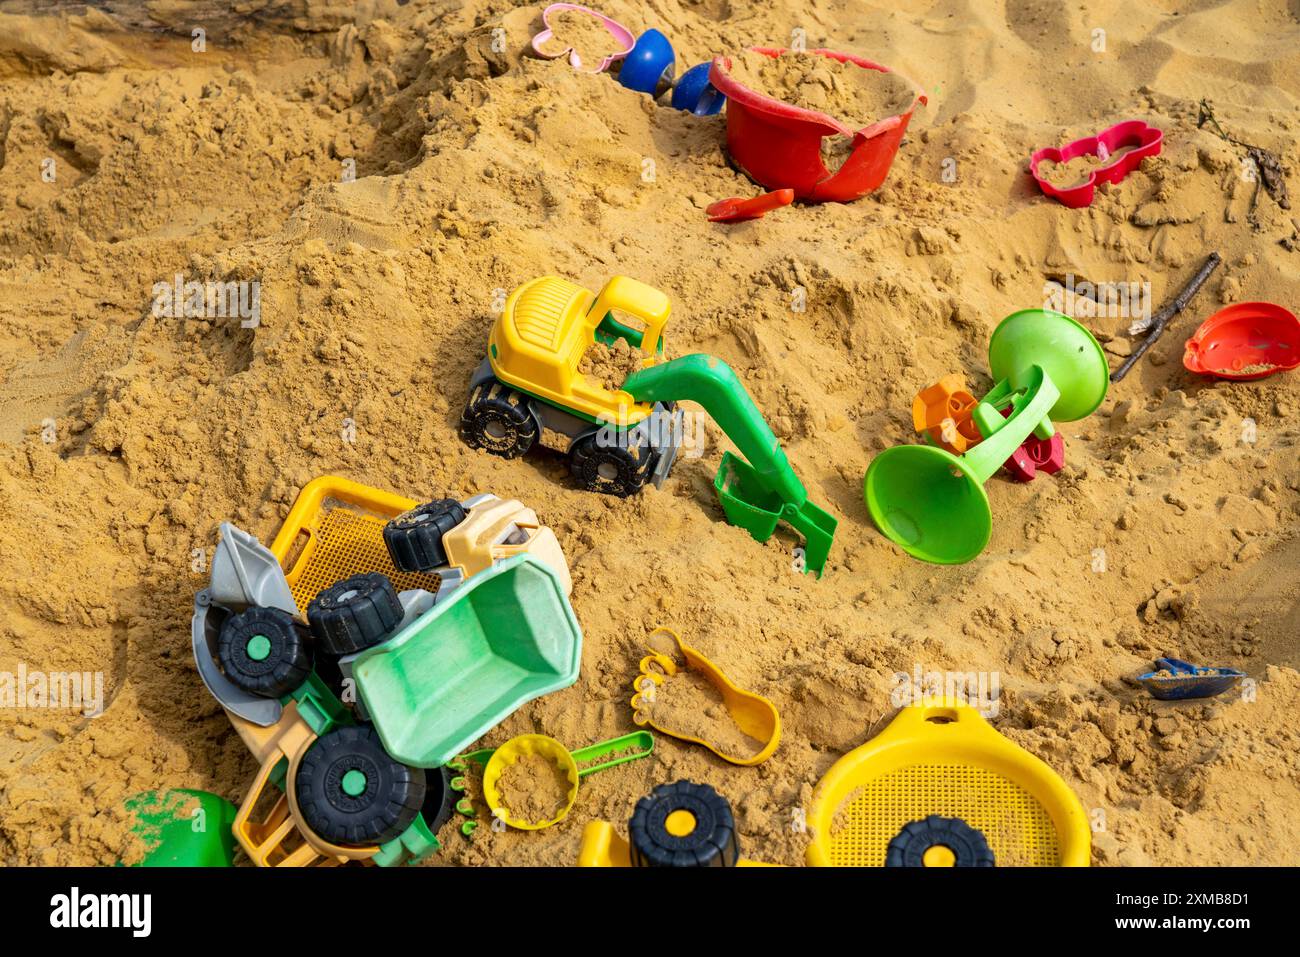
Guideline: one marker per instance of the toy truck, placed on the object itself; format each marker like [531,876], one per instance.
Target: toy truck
[354,713]
[529,391]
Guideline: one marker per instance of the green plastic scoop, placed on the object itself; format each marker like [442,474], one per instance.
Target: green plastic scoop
[184,828]
[932,503]
[760,490]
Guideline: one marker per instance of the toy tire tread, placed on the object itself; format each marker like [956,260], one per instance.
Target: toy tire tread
[414,538]
[969,847]
[497,420]
[287,662]
[712,843]
[354,614]
[612,469]
[393,792]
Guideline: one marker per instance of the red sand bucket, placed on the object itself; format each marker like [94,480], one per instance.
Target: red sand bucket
[779,146]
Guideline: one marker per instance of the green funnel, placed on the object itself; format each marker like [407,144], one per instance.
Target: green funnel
[932,503]
[1067,352]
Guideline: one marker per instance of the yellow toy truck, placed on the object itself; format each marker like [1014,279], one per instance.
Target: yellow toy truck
[426,625]
[530,391]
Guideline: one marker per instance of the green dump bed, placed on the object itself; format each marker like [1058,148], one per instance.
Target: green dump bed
[506,636]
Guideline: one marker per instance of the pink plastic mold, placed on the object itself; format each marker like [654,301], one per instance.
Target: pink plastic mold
[1136,136]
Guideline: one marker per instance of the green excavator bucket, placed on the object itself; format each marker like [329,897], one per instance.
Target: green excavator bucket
[759,490]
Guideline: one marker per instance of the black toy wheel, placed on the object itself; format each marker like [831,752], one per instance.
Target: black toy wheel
[939,842]
[414,538]
[683,825]
[618,466]
[497,420]
[354,614]
[351,792]
[264,651]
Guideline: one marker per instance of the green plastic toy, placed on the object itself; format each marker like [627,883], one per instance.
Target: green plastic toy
[756,494]
[932,503]
[505,636]
[184,828]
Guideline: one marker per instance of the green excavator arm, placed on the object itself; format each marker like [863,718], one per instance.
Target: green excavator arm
[759,490]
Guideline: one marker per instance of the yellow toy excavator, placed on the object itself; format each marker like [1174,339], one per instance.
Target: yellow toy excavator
[530,391]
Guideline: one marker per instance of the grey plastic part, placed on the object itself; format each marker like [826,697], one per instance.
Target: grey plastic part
[668,449]
[415,602]
[552,419]
[481,374]
[244,573]
[478,499]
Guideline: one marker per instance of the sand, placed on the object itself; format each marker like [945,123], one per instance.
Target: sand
[609,366]
[533,788]
[1171,530]
[583,33]
[1074,172]
[854,95]
[690,705]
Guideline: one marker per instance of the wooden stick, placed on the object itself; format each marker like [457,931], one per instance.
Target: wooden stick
[1167,312]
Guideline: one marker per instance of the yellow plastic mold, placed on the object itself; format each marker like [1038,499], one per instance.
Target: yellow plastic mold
[946,760]
[755,715]
[547,326]
[596,757]
[512,751]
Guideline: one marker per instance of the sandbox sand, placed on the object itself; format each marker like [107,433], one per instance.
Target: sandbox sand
[1072,172]
[852,94]
[533,788]
[125,437]
[583,33]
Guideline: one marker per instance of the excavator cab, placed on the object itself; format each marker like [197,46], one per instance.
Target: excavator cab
[549,324]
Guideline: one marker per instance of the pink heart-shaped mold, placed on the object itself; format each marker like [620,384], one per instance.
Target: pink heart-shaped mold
[619,32]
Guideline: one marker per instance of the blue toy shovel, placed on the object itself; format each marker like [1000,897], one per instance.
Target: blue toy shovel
[1186,680]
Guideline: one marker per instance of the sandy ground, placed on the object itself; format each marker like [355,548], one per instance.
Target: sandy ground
[125,438]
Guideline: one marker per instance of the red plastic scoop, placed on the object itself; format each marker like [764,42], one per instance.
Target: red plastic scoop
[735,209]
[1248,340]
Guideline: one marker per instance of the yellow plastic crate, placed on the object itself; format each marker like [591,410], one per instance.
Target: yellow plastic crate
[334,530]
